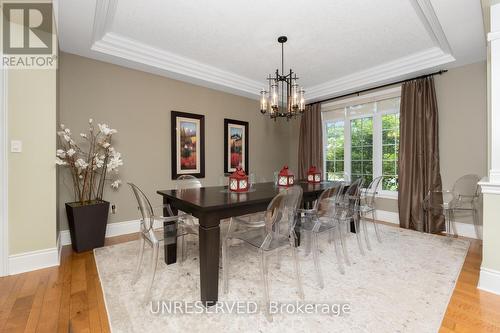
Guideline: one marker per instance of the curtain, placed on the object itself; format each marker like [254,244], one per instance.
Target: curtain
[418,156]
[310,140]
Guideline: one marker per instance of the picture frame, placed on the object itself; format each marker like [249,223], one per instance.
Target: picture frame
[188,144]
[236,145]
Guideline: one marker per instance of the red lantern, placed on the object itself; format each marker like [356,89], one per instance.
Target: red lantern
[285,177]
[313,175]
[238,181]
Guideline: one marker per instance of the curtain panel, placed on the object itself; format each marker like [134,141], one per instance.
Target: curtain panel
[310,140]
[419,170]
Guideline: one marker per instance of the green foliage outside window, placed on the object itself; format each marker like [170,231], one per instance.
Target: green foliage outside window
[362,149]
[335,150]
[390,148]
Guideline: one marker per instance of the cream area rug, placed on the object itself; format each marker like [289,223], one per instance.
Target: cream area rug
[403,285]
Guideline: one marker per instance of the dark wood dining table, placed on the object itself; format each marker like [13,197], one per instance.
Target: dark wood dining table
[211,205]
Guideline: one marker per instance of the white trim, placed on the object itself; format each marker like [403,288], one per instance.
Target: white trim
[30,261]
[381,74]
[428,16]
[489,280]
[489,188]
[386,216]
[494,35]
[463,229]
[166,63]
[4,179]
[112,230]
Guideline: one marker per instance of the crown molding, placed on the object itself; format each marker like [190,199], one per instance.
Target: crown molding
[167,62]
[381,74]
[133,53]
[429,19]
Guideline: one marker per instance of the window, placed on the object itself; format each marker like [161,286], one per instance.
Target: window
[361,139]
[335,150]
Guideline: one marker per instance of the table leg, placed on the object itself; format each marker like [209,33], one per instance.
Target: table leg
[170,235]
[209,233]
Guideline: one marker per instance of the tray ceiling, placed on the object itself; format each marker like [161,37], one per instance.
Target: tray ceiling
[335,46]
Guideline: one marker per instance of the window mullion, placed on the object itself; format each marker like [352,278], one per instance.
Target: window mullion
[377,145]
[347,143]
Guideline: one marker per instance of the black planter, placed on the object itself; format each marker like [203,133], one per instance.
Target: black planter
[87,224]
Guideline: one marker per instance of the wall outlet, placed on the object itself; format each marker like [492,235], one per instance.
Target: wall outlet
[113,209]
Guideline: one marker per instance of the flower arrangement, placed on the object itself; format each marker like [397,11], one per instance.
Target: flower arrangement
[90,167]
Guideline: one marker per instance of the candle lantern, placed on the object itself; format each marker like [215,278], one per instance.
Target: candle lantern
[285,177]
[238,181]
[313,175]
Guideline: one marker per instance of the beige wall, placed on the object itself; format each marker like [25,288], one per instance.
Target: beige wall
[138,105]
[32,173]
[463,134]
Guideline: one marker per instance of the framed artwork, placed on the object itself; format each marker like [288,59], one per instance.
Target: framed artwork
[188,144]
[235,145]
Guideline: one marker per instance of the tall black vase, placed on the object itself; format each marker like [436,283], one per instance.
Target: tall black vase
[87,224]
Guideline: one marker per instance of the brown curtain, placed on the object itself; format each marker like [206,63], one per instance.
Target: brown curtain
[310,140]
[418,155]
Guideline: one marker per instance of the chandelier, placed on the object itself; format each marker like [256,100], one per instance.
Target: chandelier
[284,98]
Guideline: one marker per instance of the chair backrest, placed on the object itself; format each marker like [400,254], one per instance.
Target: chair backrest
[466,188]
[186,182]
[351,197]
[328,200]
[284,204]
[370,192]
[145,208]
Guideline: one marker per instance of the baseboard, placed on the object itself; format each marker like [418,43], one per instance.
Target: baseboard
[463,229]
[386,216]
[30,261]
[489,280]
[112,230]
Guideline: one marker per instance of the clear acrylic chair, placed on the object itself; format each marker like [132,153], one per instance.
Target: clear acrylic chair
[186,182]
[348,210]
[367,207]
[323,218]
[438,202]
[275,232]
[153,236]
[466,194]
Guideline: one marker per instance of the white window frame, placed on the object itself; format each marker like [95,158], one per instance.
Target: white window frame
[4,223]
[327,117]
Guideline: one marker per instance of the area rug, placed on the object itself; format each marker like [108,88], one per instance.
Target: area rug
[403,285]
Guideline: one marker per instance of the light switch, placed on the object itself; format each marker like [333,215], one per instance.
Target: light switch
[16,146]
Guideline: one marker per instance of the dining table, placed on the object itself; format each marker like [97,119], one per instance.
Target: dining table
[211,205]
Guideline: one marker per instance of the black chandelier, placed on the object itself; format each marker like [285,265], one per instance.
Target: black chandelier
[284,98]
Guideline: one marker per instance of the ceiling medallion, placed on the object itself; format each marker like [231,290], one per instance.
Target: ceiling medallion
[284,98]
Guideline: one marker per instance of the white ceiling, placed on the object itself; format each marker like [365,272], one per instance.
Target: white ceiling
[334,46]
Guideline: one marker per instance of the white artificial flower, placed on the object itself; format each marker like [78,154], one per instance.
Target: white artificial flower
[81,164]
[67,131]
[60,162]
[62,126]
[99,162]
[105,145]
[115,161]
[104,128]
[116,184]
[91,120]
[60,153]
[71,152]
[83,135]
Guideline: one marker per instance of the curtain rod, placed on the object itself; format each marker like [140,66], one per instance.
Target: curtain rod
[378,87]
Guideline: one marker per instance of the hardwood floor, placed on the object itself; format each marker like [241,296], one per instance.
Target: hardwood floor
[69,298]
